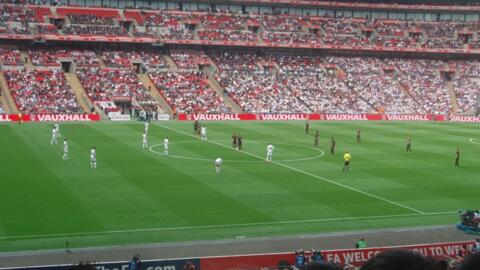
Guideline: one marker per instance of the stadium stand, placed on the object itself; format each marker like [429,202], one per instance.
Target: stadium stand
[104,85]
[47,58]
[467,84]
[255,88]
[366,77]
[422,80]
[189,59]
[10,57]
[188,92]
[41,91]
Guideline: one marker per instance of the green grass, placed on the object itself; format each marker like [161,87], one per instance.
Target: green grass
[138,196]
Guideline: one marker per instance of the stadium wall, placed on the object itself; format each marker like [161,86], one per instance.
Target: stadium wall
[354,257]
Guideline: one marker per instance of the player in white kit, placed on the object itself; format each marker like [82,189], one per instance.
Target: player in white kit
[54,136]
[145,130]
[65,149]
[203,133]
[165,146]
[270,149]
[218,164]
[145,140]
[57,127]
[93,158]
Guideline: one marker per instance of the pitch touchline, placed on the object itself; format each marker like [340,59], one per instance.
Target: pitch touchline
[221,226]
[309,174]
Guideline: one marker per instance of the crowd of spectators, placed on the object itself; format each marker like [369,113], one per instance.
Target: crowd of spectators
[48,57]
[340,26]
[118,59]
[90,19]
[222,21]
[106,84]
[392,28]
[188,92]
[439,29]
[10,57]
[422,79]
[125,59]
[177,33]
[189,59]
[366,77]
[280,23]
[227,35]
[285,29]
[164,19]
[290,37]
[466,84]
[442,43]
[84,58]
[16,13]
[153,61]
[104,30]
[345,40]
[394,41]
[15,29]
[41,91]
[46,29]
[255,88]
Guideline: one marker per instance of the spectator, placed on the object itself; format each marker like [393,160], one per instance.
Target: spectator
[322,266]
[399,260]
[300,259]
[471,262]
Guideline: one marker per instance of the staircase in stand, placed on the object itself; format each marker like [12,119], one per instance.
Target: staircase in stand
[171,64]
[453,97]
[155,93]
[81,95]
[28,63]
[7,99]
[220,91]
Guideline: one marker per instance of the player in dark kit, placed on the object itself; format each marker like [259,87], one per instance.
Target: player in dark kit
[457,157]
[408,144]
[332,146]
[239,141]
[307,127]
[196,128]
[359,135]
[317,136]
[234,141]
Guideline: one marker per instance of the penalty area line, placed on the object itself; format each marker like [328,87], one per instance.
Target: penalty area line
[309,174]
[222,226]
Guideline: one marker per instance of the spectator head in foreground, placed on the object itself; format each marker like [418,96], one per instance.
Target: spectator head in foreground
[471,262]
[399,260]
[322,266]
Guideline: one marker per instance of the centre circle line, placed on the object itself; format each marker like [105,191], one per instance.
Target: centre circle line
[322,153]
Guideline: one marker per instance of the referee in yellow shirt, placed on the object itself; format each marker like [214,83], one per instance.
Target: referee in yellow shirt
[346,158]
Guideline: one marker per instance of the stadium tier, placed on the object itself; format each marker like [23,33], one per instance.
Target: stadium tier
[274,82]
[171,26]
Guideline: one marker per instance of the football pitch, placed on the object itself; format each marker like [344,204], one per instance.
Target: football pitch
[141,196]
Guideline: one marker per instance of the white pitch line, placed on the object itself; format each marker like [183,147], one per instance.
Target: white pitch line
[322,153]
[309,174]
[474,141]
[221,226]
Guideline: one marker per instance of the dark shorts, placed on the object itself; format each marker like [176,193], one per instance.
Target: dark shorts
[347,163]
